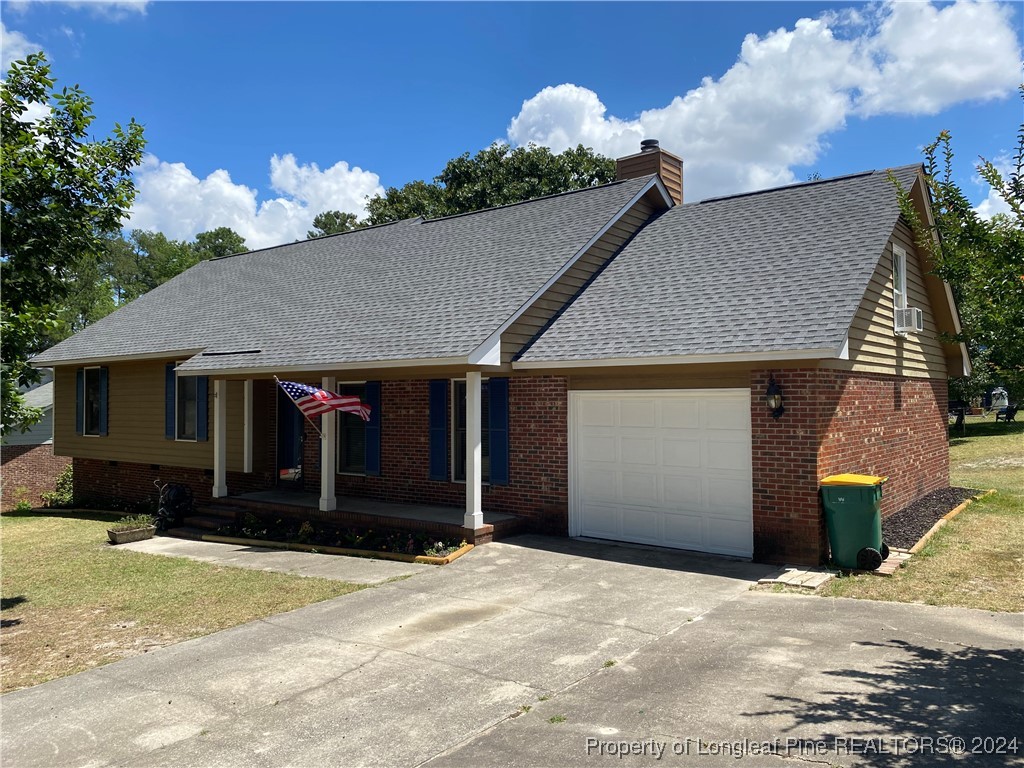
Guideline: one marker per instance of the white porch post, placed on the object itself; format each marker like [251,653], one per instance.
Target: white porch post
[247,427]
[328,449]
[474,454]
[220,438]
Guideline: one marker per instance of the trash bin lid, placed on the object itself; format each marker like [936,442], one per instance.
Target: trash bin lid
[850,479]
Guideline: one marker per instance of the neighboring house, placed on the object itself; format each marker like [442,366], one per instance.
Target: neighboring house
[600,356]
[29,467]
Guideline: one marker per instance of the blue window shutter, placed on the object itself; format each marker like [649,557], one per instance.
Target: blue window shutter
[169,394]
[372,456]
[79,401]
[497,392]
[202,407]
[438,405]
[104,400]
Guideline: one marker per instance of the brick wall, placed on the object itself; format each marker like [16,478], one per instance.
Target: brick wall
[835,422]
[28,471]
[538,454]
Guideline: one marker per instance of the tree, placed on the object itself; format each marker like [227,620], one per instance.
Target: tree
[497,175]
[217,243]
[333,223]
[982,260]
[62,191]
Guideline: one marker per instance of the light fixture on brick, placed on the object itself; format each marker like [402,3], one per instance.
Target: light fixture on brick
[773,397]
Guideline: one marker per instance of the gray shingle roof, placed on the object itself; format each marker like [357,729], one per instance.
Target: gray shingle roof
[774,271]
[410,290]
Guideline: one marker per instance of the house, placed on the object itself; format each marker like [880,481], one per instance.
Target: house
[595,363]
[27,464]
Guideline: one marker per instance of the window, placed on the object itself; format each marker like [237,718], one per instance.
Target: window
[186,408]
[459,431]
[93,404]
[899,278]
[352,434]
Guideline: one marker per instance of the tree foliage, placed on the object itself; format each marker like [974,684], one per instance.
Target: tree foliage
[333,223]
[497,175]
[63,190]
[981,259]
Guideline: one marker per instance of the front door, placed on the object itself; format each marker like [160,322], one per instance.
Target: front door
[290,435]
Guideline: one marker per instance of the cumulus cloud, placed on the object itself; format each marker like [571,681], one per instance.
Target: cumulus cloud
[113,10]
[173,200]
[774,108]
[14,46]
[994,202]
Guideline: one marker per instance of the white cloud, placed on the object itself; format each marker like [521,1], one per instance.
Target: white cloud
[173,200]
[789,89]
[112,10]
[14,46]
[994,202]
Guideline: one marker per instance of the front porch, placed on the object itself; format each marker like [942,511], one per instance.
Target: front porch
[440,520]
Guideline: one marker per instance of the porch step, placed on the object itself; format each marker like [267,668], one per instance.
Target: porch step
[186,532]
[220,509]
[206,522]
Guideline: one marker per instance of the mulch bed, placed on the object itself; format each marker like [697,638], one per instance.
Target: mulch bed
[904,529]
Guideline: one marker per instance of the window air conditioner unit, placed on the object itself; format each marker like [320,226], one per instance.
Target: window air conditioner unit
[909,320]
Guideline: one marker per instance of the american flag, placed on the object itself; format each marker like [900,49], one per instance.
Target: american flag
[313,401]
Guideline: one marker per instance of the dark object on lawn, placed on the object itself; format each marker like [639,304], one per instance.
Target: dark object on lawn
[1007,414]
[175,504]
[869,559]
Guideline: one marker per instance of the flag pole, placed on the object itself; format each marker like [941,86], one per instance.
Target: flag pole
[312,423]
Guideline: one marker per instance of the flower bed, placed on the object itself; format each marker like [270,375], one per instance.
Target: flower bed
[391,540]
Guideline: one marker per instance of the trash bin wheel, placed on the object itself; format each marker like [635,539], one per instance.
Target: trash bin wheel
[868,559]
[885,551]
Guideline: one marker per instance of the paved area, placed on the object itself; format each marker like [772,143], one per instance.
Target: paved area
[798,576]
[541,652]
[358,570]
[431,513]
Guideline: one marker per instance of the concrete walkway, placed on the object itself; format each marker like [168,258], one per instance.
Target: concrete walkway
[537,652]
[358,570]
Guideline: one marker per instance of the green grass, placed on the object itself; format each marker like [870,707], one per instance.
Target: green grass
[71,601]
[977,559]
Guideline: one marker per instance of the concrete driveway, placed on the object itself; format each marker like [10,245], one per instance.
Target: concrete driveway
[505,658]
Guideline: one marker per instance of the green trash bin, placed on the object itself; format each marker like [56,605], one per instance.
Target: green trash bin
[853,516]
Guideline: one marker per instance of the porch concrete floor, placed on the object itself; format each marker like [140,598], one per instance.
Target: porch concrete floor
[427,513]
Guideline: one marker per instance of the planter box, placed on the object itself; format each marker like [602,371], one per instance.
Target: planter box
[135,534]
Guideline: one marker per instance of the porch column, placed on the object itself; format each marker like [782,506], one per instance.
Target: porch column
[247,427]
[474,454]
[328,450]
[220,438]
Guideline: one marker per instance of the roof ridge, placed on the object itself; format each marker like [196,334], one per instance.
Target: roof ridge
[810,183]
[410,220]
[538,199]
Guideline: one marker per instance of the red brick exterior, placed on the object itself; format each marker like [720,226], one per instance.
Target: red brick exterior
[29,471]
[835,422]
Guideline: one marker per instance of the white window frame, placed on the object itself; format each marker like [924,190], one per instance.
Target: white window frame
[85,401]
[177,436]
[337,416]
[485,434]
[899,278]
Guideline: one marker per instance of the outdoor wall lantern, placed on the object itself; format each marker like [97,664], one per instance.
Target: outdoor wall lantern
[773,397]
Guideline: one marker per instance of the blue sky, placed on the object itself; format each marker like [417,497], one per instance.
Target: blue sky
[259,115]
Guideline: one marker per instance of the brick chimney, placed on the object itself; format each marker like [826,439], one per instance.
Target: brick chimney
[653,159]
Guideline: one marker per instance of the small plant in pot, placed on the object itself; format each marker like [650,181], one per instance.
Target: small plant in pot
[132,528]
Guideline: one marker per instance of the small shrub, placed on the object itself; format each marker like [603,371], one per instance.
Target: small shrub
[306,532]
[63,494]
[23,505]
[131,522]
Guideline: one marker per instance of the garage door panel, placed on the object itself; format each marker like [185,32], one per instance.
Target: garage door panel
[600,448]
[680,414]
[680,452]
[671,468]
[637,413]
[640,488]
[639,449]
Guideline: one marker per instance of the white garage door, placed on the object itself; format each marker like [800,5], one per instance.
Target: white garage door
[666,467]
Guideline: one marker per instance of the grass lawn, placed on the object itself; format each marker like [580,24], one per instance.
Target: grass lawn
[977,559]
[71,601]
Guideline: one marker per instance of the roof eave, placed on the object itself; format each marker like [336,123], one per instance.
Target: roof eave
[818,353]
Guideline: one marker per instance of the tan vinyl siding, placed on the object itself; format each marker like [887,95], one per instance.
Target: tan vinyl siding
[135,415]
[537,316]
[874,346]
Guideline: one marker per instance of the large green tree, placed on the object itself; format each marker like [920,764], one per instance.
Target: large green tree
[217,243]
[333,223]
[982,260]
[497,175]
[63,190]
